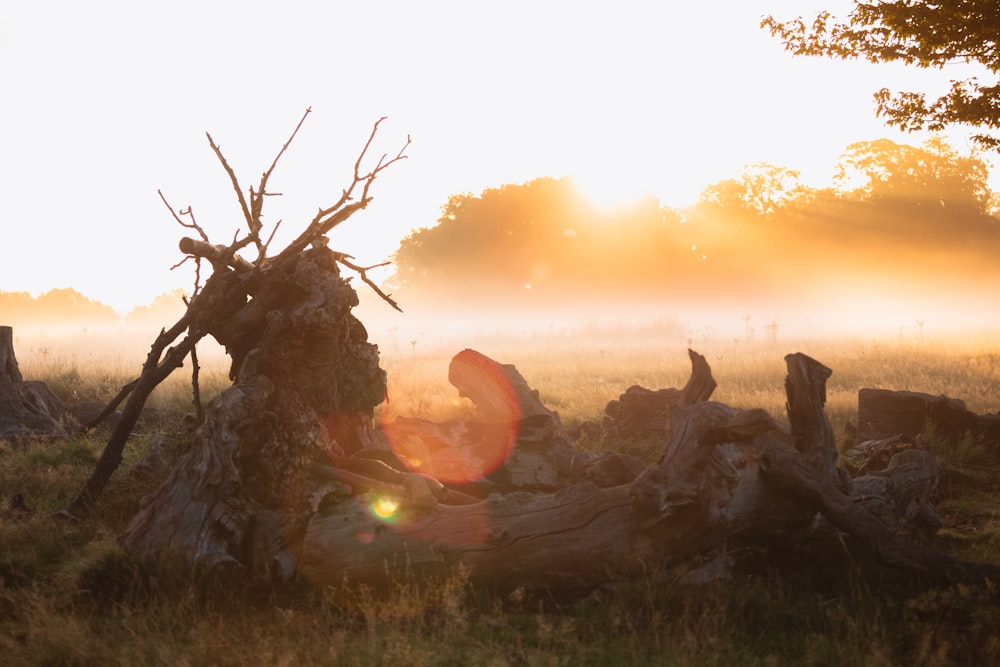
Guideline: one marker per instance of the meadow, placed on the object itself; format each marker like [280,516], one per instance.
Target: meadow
[70,596]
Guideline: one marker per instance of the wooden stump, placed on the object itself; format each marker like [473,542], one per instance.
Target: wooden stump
[883,413]
[306,381]
[28,409]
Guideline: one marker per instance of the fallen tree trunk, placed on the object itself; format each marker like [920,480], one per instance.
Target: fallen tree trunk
[279,478]
[266,486]
[883,413]
[727,477]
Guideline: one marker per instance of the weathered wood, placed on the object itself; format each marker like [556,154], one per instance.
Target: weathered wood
[219,255]
[809,475]
[819,492]
[28,409]
[304,361]
[727,477]
[902,494]
[883,413]
[702,493]
[225,297]
[646,413]
[872,455]
[514,442]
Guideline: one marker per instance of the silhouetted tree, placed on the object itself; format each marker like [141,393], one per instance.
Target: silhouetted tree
[924,33]
[165,307]
[934,178]
[534,241]
[57,306]
[759,189]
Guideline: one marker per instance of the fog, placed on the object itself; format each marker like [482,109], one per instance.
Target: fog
[863,309]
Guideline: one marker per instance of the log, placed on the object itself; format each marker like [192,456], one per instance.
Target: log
[646,413]
[883,413]
[727,477]
[514,442]
[272,481]
[28,409]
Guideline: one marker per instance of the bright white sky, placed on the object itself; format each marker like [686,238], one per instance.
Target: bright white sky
[104,102]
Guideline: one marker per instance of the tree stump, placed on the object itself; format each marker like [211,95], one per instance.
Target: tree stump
[727,477]
[306,382]
[883,413]
[28,409]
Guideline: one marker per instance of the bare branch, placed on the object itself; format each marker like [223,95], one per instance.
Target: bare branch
[267,244]
[328,218]
[362,271]
[267,174]
[219,255]
[232,179]
[188,212]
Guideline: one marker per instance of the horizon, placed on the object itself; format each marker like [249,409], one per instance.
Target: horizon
[627,101]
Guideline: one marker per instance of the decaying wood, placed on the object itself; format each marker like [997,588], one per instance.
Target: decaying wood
[727,477]
[514,442]
[266,485]
[873,455]
[282,476]
[306,381]
[28,408]
[231,297]
[642,413]
[883,413]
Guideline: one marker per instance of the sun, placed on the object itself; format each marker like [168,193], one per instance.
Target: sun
[609,192]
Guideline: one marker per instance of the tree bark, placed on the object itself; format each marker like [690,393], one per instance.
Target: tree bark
[883,413]
[222,307]
[727,477]
[28,409]
[306,381]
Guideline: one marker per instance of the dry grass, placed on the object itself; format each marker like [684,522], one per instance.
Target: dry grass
[69,596]
[577,376]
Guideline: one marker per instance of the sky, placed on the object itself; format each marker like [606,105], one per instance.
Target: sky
[104,103]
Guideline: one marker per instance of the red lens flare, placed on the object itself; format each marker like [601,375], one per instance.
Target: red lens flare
[459,451]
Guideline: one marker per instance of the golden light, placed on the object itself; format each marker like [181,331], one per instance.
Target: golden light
[385,508]
[460,450]
[609,192]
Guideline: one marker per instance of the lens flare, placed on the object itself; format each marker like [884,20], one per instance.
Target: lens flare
[461,450]
[385,508]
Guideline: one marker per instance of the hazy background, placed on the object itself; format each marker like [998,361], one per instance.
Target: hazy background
[643,103]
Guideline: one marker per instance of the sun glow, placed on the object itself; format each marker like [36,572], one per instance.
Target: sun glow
[385,508]
[610,192]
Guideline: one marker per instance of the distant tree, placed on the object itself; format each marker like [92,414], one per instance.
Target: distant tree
[536,240]
[760,189]
[495,237]
[57,306]
[925,33]
[933,178]
[70,306]
[165,307]
[16,308]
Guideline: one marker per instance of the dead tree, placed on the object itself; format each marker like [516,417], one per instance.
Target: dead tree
[728,477]
[231,292]
[276,480]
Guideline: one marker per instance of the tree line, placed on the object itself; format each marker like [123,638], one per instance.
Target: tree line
[68,306]
[760,231]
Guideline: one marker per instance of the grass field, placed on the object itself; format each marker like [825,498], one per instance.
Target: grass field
[70,596]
